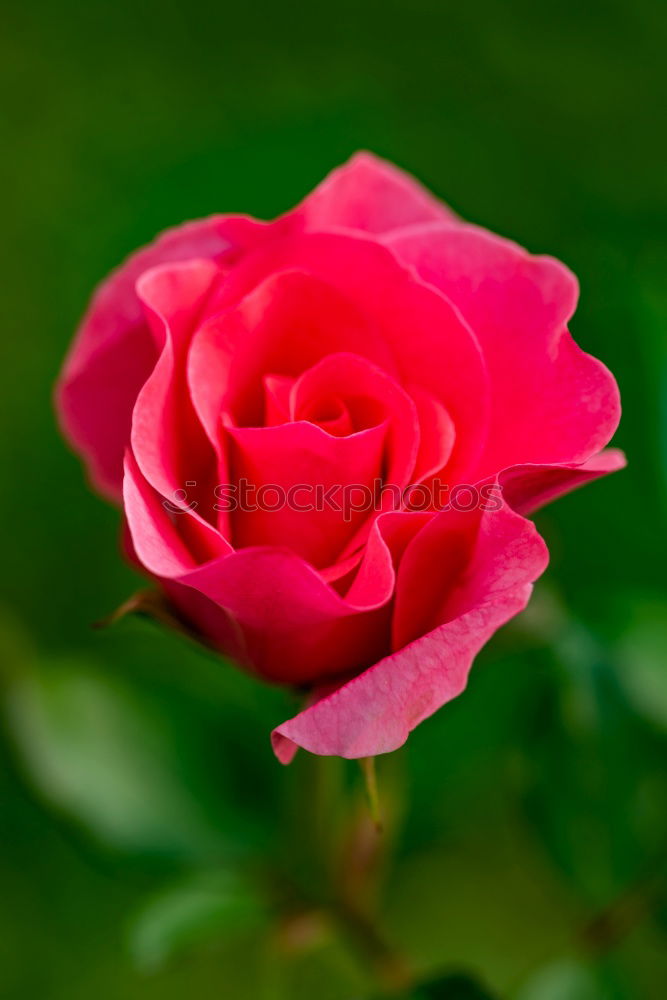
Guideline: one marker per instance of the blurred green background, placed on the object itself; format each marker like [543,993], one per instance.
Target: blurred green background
[143,815]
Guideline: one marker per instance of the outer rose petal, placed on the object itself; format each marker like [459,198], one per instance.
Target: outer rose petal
[375,711]
[526,488]
[114,350]
[167,440]
[370,195]
[551,402]
[295,627]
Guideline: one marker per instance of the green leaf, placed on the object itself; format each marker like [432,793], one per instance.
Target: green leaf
[210,906]
[592,772]
[103,755]
[565,980]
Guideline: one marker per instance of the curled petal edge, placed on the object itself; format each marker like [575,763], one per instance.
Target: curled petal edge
[374,712]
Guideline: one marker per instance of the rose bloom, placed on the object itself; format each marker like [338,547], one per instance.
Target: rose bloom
[368,335]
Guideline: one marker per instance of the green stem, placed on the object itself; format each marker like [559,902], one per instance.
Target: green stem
[367,765]
[389,965]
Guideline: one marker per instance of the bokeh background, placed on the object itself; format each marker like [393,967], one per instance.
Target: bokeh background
[142,811]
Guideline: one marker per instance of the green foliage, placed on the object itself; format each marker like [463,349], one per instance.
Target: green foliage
[566,980]
[93,752]
[642,659]
[209,906]
[106,755]
[595,781]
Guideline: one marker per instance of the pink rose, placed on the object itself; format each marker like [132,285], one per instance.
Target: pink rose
[366,341]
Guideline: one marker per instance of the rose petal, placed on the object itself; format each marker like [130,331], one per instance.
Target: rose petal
[437,434]
[296,629]
[293,458]
[276,611]
[280,326]
[428,342]
[388,537]
[157,541]
[526,488]
[458,560]
[167,439]
[369,194]
[369,394]
[114,350]
[551,402]
[277,389]
[374,712]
